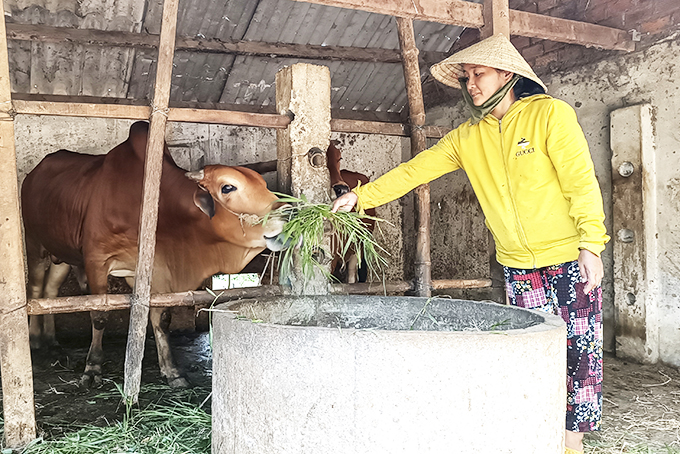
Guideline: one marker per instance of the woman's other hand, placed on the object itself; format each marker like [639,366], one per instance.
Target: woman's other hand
[591,268]
[345,202]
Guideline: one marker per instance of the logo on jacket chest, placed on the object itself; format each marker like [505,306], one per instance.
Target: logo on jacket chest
[523,148]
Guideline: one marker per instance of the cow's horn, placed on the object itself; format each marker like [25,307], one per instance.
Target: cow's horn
[196,175]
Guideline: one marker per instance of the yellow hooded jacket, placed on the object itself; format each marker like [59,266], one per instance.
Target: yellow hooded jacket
[532,173]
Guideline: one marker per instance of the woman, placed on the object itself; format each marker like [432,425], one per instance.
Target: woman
[529,164]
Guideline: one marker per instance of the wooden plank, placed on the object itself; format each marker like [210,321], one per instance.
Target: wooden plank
[227,117]
[214,116]
[139,310]
[496,18]
[468,14]
[569,31]
[454,12]
[47,34]
[69,109]
[416,104]
[369,127]
[84,303]
[15,352]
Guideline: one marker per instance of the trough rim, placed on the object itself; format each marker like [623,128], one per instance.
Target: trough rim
[550,321]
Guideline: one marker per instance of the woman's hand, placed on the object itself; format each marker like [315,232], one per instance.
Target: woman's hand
[345,202]
[591,268]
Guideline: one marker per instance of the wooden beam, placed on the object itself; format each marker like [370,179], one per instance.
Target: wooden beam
[496,18]
[369,127]
[409,53]
[15,352]
[69,106]
[569,31]
[453,12]
[134,112]
[228,117]
[85,303]
[153,166]
[385,128]
[43,33]
[67,109]
[468,14]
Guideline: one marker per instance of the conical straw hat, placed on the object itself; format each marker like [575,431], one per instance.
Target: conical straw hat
[496,51]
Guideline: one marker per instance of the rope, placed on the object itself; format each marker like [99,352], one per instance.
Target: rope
[163,111]
[11,113]
[250,219]
[15,309]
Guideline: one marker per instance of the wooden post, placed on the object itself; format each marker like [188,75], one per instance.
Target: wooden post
[409,52]
[496,18]
[139,309]
[15,352]
[304,91]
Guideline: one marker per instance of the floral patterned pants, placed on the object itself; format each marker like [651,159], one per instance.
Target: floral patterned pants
[558,290]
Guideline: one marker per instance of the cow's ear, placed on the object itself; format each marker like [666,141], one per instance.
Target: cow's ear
[204,201]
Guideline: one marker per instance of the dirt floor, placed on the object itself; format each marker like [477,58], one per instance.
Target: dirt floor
[62,406]
[641,409]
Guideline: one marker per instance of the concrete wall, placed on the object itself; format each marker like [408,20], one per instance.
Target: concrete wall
[648,76]
[196,145]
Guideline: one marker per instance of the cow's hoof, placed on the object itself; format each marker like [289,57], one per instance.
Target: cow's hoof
[179,382]
[89,380]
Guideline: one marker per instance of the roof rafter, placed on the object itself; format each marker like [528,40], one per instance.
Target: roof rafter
[42,33]
[468,14]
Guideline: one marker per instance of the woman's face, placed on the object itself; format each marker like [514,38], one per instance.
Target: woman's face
[484,81]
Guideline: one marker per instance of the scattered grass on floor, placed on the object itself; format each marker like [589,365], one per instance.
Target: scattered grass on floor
[172,423]
[630,434]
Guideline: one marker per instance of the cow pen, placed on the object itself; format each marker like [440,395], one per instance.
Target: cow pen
[19,420]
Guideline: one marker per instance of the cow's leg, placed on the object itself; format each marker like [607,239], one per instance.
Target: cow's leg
[56,276]
[37,269]
[352,268]
[160,321]
[95,356]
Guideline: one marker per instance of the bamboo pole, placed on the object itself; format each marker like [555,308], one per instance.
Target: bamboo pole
[84,303]
[409,53]
[15,352]
[139,310]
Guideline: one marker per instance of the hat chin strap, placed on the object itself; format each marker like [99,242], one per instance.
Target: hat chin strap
[477,113]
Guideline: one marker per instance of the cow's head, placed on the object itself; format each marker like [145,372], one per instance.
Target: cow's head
[237,200]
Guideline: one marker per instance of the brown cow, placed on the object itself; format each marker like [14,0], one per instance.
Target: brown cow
[84,210]
[343,181]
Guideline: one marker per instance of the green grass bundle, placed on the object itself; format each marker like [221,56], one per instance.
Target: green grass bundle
[304,230]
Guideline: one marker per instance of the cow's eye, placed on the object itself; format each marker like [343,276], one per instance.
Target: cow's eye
[227,188]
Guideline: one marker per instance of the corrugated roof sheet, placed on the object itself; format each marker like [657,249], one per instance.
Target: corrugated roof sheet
[88,70]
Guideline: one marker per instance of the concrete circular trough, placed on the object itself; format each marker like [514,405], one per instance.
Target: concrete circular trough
[371,374]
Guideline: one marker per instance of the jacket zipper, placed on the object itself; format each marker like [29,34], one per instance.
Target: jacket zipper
[518,225]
